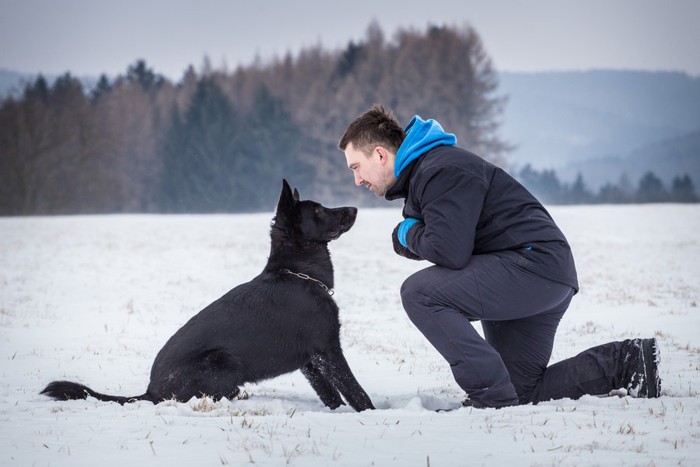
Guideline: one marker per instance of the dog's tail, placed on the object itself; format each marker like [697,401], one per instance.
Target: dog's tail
[67,390]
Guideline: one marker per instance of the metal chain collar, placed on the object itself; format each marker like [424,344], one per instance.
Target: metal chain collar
[306,277]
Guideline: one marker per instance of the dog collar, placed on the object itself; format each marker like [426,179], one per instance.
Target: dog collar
[306,277]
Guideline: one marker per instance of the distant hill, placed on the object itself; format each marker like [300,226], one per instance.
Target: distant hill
[561,120]
[667,159]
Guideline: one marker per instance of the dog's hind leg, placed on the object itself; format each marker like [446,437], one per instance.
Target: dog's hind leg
[326,391]
[336,369]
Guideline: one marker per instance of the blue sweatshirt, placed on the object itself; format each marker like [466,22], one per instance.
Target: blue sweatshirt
[421,137]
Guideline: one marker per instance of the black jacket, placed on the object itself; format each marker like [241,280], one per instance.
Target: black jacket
[468,206]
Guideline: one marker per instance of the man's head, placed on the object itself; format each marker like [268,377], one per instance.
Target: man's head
[370,144]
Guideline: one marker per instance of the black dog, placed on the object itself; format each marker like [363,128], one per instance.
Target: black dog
[281,321]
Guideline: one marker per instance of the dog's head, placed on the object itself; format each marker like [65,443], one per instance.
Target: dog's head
[307,221]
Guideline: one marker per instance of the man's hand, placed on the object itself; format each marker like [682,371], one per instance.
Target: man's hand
[399,248]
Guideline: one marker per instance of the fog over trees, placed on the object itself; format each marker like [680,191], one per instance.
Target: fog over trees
[220,141]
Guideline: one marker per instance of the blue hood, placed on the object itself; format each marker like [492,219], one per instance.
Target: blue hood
[421,137]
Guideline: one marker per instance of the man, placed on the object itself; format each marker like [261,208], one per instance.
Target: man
[498,257]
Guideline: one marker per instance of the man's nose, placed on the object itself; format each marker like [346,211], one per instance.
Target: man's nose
[358,179]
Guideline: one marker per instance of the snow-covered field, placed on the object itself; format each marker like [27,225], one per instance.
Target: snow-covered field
[94,298]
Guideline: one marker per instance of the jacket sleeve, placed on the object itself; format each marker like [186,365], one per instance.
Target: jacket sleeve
[450,202]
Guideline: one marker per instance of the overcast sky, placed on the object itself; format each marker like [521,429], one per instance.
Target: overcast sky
[90,37]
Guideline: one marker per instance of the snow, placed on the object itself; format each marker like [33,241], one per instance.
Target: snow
[93,298]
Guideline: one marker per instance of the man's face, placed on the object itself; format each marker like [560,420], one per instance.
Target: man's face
[376,172]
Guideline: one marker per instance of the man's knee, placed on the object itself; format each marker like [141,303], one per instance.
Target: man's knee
[414,295]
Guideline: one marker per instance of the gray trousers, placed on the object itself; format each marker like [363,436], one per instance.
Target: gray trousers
[519,312]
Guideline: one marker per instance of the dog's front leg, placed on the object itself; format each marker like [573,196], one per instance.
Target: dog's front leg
[334,367]
[326,391]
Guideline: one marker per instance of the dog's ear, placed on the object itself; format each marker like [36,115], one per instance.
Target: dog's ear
[296,194]
[286,203]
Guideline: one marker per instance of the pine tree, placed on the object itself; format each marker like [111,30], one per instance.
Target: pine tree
[579,193]
[611,194]
[199,154]
[101,89]
[145,77]
[683,190]
[651,189]
[270,148]
[544,185]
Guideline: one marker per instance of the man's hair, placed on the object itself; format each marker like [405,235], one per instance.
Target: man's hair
[376,127]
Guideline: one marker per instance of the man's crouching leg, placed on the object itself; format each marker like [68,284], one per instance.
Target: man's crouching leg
[476,366]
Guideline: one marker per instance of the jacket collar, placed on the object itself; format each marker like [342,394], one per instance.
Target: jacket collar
[400,188]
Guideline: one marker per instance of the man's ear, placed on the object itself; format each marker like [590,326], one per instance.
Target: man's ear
[383,155]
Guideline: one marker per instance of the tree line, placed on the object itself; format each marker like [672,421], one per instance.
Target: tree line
[220,141]
[545,184]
